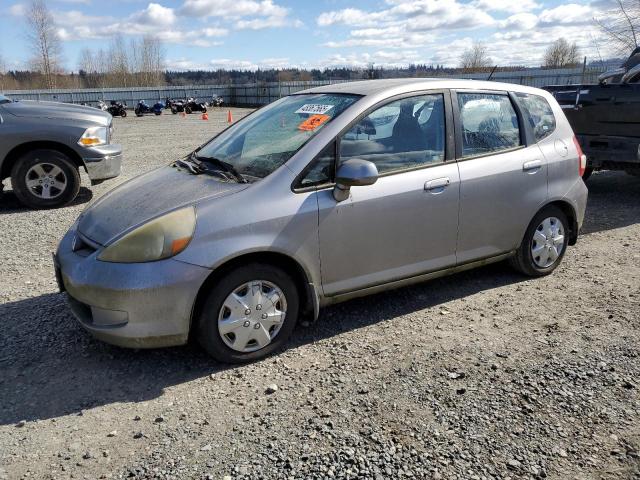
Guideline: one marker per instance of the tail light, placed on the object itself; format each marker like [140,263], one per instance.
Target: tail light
[582,158]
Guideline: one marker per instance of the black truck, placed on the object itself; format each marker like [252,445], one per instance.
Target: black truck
[606,117]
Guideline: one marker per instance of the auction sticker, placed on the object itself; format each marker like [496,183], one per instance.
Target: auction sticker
[313,122]
[314,108]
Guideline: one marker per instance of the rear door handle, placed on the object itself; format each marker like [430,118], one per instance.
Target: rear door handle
[437,185]
[532,165]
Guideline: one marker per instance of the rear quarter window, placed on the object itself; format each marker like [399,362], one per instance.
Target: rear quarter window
[538,113]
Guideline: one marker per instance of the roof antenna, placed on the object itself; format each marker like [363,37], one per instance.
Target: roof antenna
[491,74]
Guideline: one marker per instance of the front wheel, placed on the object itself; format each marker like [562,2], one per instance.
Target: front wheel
[45,179]
[544,243]
[187,110]
[123,113]
[250,313]
[138,113]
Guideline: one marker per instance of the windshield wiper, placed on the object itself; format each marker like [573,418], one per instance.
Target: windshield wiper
[224,166]
[189,165]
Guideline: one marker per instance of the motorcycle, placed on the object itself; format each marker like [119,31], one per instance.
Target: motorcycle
[216,101]
[101,106]
[192,105]
[175,105]
[143,109]
[117,109]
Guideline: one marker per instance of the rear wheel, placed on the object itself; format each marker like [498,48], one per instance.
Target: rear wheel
[544,244]
[250,313]
[187,110]
[45,179]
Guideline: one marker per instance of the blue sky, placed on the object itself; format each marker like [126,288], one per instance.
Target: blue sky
[315,33]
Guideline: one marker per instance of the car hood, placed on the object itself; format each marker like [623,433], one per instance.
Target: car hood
[146,197]
[56,110]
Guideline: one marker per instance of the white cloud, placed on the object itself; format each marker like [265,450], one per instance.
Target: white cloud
[350,16]
[232,8]
[17,10]
[567,14]
[509,6]
[156,15]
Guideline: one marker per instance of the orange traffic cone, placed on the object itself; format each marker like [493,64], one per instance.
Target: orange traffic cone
[205,116]
[229,117]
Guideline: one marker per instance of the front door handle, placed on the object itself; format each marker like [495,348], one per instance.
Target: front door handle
[437,184]
[532,166]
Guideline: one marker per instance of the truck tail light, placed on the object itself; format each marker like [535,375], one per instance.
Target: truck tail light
[582,158]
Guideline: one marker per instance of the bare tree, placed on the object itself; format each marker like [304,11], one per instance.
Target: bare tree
[561,54]
[148,61]
[475,59]
[44,40]
[622,25]
[119,59]
[92,68]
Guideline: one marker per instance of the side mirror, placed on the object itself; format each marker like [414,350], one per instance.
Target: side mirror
[354,173]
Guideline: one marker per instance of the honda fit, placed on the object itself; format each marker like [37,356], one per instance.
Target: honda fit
[332,193]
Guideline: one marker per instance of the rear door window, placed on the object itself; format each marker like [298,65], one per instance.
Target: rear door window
[489,123]
[538,113]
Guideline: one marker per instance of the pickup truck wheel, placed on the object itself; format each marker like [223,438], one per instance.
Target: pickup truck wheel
[45,179]
[249,314]
[544,243]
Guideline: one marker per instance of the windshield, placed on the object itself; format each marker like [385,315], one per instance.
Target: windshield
[261,143]
[4,99]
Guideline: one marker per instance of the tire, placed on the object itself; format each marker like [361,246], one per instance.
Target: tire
[123,113]
[36,166]
[187,110]
[204,109]
[174,111]
[587,173]
[524,260]
[158,113]
[214,308]
[633,171]
[138,113]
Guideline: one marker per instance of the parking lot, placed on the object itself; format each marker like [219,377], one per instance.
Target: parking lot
[484,374]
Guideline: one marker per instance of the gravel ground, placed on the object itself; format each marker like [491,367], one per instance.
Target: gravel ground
[484,374]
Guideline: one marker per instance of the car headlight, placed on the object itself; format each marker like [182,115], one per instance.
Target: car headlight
[157,239]
[94,136]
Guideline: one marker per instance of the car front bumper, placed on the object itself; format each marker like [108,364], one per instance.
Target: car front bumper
[137,305]
[103,162]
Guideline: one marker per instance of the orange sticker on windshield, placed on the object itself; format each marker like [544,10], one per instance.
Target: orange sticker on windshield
[313,122]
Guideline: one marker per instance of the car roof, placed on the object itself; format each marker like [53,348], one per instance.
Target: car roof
[395,86]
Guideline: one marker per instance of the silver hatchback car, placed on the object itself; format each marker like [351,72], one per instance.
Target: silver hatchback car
[322,196]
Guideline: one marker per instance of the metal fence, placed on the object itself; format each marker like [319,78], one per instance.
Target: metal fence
[254,94]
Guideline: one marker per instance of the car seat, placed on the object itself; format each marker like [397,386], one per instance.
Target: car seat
[407,136]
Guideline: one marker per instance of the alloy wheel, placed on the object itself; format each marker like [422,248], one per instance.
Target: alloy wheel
[46,181]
